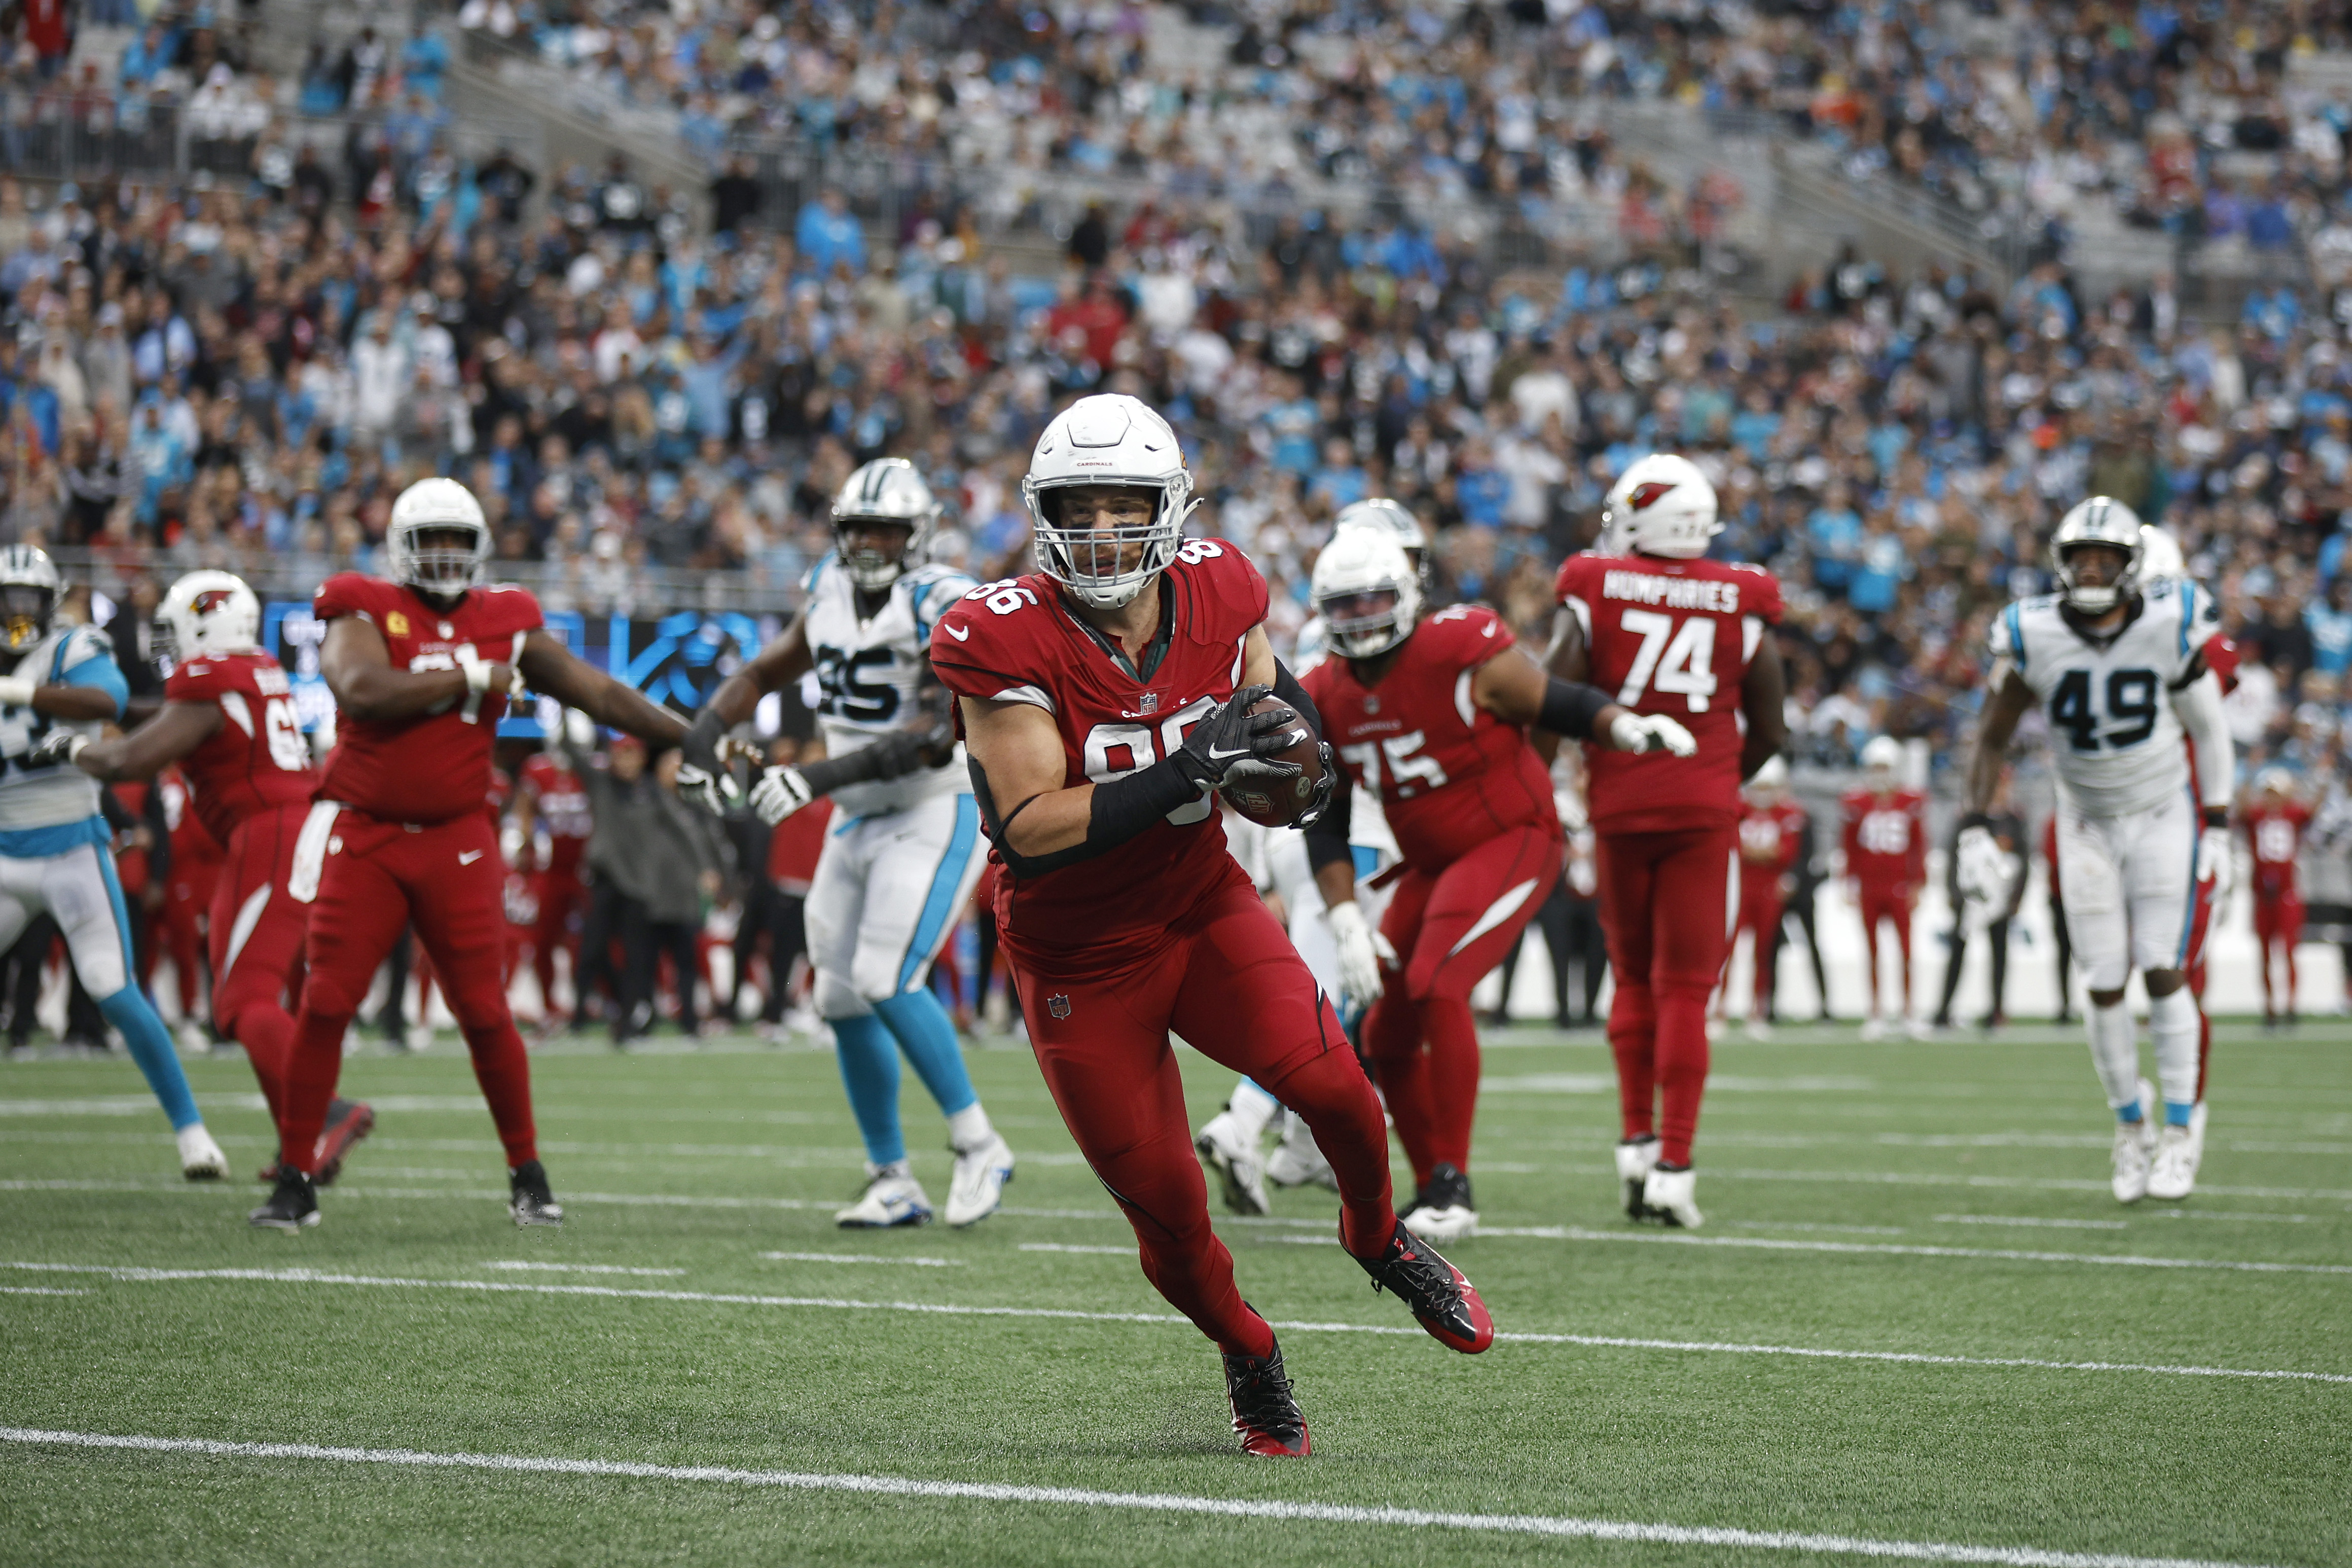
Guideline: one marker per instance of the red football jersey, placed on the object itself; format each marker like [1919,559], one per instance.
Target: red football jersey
[1448,774]
[562,803]
[1768,836]
[1670,637]
[195,850]
[433,767]
[1886,836]
[2275,830]
[258,759]
[1017,640]
[793,847]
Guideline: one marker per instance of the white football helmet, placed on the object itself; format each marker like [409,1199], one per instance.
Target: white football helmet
[432,506]
[29,590]
[1366,592]
[1772,776]
[2101,520]
[886,490]
[2160,555]
[1107,439]
[1881,759]
[1660,505]
[207,612]
[1381,515]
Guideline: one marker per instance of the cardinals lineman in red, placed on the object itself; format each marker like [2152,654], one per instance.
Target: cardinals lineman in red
[2276,822]
[1431,717]
[1885,835]
[229,720]
[422,667]
[1772,826]
[550,795]
[1669,632]
[1104,699]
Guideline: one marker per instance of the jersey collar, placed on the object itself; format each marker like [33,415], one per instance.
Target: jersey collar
[2074,619]
[1152,654]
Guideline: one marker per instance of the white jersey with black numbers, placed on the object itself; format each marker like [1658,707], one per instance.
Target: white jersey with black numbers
[2113,733]
[869,670]
[59,793]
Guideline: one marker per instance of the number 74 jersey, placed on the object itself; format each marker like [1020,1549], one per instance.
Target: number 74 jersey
[2113,733]
[1671,637]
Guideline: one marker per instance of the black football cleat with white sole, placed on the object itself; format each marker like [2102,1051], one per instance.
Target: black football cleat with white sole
[1443,1301]
[293,1204]
[348,1121]
[533,1201]
[1265,1413]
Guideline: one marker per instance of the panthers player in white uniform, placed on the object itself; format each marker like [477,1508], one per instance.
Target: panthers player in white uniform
[904,849]
[2118,664]
[56,854]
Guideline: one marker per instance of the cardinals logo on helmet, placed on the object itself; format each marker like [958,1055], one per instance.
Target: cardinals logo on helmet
[1645,495]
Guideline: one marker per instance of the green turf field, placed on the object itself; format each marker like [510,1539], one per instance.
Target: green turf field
[2007,1360]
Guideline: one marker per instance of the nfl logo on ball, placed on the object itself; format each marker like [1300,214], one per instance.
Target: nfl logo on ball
[1058,1006]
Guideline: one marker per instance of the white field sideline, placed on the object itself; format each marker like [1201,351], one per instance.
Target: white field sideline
[999,1492]
[948,1308]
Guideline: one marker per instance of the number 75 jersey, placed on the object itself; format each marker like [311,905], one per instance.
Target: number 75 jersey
[2113,733]
[1671,637]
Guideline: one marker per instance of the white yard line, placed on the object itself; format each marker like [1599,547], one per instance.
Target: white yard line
[507,1287]
[2035,1224]
[1551,1525]
[37,1291]
[2122,1259]
[521,1265]
[1066,1247]
[863,1258]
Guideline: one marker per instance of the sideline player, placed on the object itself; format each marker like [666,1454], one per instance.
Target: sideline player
[1105,698]
[1669,632]
[229,720]
[1772,828]
[549,795]
[423,665]
[1431,718]
[2275,820]
[56,853]
[2143,843]
[900,861]
[1885,837]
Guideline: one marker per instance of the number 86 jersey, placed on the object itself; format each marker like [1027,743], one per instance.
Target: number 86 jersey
[2113,732]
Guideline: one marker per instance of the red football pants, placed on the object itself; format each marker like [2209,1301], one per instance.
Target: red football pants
[1664,908]
[1759,916]
[1888,906]
[2278,922]
[1449,929]
[377,877]
[185,899]
[256,944]
[1225,977]
[561,897]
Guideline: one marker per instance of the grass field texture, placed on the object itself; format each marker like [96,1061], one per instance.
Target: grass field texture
[1916,1324]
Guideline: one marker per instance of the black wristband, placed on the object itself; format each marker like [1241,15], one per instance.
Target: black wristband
[2216,816]
[1327,837]
[702,738]
[1975,820]
[1286,687]
[891,756]
[1570,708]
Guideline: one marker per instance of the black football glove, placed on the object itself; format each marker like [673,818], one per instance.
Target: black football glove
[1323,788]
[701,743]
[1233,742]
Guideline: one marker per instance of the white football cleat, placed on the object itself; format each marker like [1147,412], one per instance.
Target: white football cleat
[1443,1211]
[1636,1157]
[1916,1028]
[2131,1161]
[2172,1174]
[1235,1161]
[1874,1028]
[1298,1159]
[890,1200]
[978,1185]
[194,1041]
[1670,1196]
[1760,1029]
[200,1158]
[418,1038]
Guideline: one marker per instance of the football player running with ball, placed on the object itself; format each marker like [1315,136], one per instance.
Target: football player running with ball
[904,850]
[229,719]
[2119,665]
[1669,631]
[1106,699]
[1431,718]
[423,666]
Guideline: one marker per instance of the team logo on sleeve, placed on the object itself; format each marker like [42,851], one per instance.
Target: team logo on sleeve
[396,623]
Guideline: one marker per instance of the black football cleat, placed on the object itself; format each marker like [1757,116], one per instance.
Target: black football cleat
[293,1204]
[348,1121]
[1265,1413]
[533,1202]
[1443,1302]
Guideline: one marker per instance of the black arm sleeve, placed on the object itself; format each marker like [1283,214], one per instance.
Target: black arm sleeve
[1286,687]
[1326,840]
[702,739]
[1121,808]
[892,757]
[1570,708]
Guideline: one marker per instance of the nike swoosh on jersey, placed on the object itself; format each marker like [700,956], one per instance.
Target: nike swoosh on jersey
[959,634]
[469,857]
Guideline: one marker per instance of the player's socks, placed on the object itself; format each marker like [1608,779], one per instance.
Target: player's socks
[1392,1045]
[267,1036]
[502,1067]
[1329,1094]
[1252,1108]
[2172,1021]
[868,1055]
[928,1036]
[1682,1060]
[1633,1043]
[312,1067]
[129,1010]
[2115,1052]
[970,1128]
[1452,1031]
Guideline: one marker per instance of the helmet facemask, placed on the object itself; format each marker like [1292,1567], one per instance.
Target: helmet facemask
[1127,538]
[442,557]
[2097,599]
[1367,622]
[26,608]
[870,561]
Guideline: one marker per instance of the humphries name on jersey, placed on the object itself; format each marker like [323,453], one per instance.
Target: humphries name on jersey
[2108,697]
[869,672]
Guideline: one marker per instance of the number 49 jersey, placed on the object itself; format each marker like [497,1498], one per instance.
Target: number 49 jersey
[2112,729]
[259,757]
[1671,637]
[867,672]
[1018,642]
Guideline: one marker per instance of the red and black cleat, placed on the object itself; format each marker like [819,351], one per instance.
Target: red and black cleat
[1264,1414]
[1444,1302]
[348,1121]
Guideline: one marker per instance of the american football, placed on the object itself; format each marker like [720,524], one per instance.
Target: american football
[1279,802]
